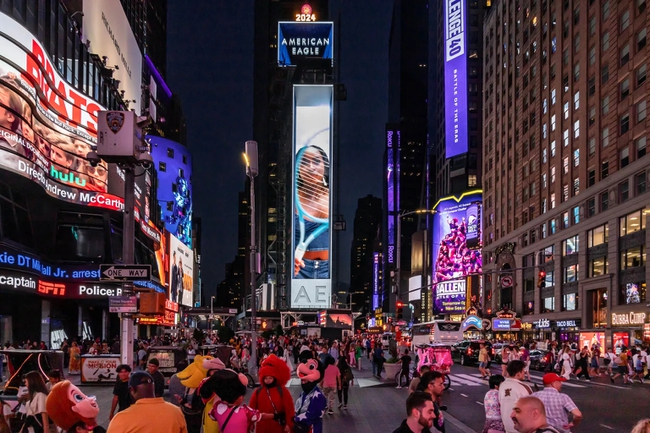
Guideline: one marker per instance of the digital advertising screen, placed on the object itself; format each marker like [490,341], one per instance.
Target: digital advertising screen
[181,272]
[299,40]
[173,163]
[456,247]
[49,126]
[455,71]
[311,285]
[588,339]
[392,188]
[107,32]
[450,296]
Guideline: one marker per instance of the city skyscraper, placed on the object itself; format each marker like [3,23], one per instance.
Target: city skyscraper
[565,133]
[365,241]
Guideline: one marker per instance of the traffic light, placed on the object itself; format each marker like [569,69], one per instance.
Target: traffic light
[541,281]
[398,310]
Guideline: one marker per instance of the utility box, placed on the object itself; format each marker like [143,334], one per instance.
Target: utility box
[119,136]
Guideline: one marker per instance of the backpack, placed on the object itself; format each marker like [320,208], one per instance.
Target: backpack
[348,376]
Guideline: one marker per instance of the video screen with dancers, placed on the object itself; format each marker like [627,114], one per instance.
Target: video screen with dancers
[457,250]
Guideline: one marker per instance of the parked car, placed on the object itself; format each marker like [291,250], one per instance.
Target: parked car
[466,352]
[540,359]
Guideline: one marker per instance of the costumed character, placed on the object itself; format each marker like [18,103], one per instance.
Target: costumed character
[229,410]
[72,410]
[311,404]
[274,397]
[208,396]
[185,394]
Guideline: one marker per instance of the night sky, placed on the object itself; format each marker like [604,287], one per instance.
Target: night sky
[210,65]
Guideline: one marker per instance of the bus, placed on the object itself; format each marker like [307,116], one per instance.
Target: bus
[438,332]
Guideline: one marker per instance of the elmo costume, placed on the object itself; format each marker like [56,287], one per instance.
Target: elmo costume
[274,397]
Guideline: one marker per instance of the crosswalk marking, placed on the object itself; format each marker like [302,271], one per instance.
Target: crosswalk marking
[533,378]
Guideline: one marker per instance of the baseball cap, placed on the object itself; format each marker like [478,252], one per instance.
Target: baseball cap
[139,378]
[154,361]
[552,377]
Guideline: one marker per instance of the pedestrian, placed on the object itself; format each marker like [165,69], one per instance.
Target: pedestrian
[378,360]
[273,397]
[505,355]
[148,413]
[331,383]
[608,360]
[525,357]
[510,391]
[346,380]
[566,363]
[582,364]
[493,421]
[413,386]
[158,379]
[483,359]
[121,395]
[433,383]
[420,414]
[405,369]
[358,355]
[37,419]
[529,416]
[622,367]
[558,406]
[75,359]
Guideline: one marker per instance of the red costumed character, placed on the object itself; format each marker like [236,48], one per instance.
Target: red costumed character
[274,397]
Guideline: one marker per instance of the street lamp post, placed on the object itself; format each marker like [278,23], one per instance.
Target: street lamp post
[250,156]
[211,311]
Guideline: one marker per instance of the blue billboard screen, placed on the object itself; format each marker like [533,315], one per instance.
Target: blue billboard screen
[173,163]
[456,248]
[298,40]
[455,37]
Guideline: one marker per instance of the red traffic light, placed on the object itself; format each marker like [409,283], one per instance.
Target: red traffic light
[399,304]
[542,274]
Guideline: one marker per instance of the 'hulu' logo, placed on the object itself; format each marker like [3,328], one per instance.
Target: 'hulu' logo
[67,177]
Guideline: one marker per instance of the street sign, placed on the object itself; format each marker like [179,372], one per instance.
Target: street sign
[125,272]
[506,281]
[122,304]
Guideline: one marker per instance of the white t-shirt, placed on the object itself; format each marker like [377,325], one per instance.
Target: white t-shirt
[36,405]
[510,391]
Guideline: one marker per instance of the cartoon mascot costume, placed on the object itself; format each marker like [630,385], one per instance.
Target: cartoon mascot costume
[71,410]
[311,404]
[274,397]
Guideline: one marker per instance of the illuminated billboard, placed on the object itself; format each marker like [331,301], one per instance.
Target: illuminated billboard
[311,285]
[107,32]
[48,126]
[392,187]
[456,249]
[299,40]
[173,163]
[455,37]
[181,272]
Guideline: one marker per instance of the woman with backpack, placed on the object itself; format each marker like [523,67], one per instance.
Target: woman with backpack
[346,381]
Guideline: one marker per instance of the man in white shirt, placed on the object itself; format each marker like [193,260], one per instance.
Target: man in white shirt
[511,390]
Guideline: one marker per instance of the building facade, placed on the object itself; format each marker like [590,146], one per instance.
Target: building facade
[565,131]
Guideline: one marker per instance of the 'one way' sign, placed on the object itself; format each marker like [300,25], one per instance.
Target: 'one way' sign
[125,272]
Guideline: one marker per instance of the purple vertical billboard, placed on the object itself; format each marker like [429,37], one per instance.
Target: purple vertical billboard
[392,189]
[456,249]
[455,28]
[375,281]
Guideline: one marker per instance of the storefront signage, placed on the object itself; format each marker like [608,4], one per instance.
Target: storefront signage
[472,322]
[13,280]
[628,318]
[506,314]
[501,324]
[646,331]
[99,369]
[567,323]
[542,323]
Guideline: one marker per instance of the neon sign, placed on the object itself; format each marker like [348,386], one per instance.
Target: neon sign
[306,14]
[628,318]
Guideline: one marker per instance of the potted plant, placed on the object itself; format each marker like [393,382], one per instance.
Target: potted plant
[392,367]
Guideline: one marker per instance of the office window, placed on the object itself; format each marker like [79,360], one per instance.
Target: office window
[597,236]
[605,10]
[625,20]
[640,147]
[576,186]
[544,131]
[624,123]
[543,205]
[552,227]
[552,148]
[641,75]
[592,85]
[625,54]
[640,5]
[592,55]
[592,146]
[544,180]
[570,274]
[553,200]
[623,191]
[576,72]
[566,110]
[570,301]
[542,230]
[576,129]
[605,43]
[641,39]
[565,137]
[631,223]
[565,165]
[576,157]
[604,137]
[625,88]
[570,246]
[544,157]
[624,157]
[604,74]
[591,178]
[597,267]
[576,215]
[591,207]
[548,304]
[576,100]
[552,175]
[552,97]
[565,192]
[592,116]
[641,111]
[605,105]
[639,183]
[633,257]
[604,201]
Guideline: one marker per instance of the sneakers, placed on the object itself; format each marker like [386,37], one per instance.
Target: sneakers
[611,378]
[398,387]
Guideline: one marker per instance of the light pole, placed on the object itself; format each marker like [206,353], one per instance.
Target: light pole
[250,156]
[211,311]
[399,244]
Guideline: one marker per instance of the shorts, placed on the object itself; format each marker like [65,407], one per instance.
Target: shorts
[622,369]
[482,365]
